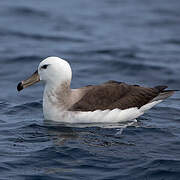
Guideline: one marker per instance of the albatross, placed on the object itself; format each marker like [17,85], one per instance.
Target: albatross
[110,102]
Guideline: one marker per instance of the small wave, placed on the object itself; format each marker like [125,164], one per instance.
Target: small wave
[157,169]
[160,168]
[21,59]
[4,104]
[36,36]
[24,108]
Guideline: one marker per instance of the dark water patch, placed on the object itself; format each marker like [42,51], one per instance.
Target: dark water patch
[39,177]
[27,11]
[173,41]
[167,12]
[162,23]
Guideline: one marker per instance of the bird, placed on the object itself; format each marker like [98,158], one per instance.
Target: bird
[109,102]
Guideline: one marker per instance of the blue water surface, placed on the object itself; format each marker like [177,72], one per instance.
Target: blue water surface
[133,41]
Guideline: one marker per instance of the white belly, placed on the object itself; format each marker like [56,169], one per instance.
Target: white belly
[98,116]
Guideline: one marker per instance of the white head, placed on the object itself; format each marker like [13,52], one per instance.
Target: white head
[52,70]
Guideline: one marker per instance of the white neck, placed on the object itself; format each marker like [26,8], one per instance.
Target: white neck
[56,99]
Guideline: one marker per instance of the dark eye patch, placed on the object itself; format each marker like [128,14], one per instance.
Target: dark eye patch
[44,66]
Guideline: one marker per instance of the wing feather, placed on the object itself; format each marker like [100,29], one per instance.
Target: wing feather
[113,94]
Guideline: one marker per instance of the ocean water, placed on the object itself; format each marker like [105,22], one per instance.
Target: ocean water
[132,41]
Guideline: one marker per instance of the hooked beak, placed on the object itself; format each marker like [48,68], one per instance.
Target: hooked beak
[28,82]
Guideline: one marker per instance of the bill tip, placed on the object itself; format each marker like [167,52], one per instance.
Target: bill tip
[19,86]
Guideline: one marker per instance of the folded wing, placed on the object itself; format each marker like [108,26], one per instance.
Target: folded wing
[113,94]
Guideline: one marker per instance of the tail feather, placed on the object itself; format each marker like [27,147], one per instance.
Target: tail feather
[160,88]
[163,95]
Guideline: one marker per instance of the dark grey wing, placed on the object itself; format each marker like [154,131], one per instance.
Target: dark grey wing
[113,94]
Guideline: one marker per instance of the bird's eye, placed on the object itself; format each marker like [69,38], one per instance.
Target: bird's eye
[44,66]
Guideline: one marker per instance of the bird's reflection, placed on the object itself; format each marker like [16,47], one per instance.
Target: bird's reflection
[61,133]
